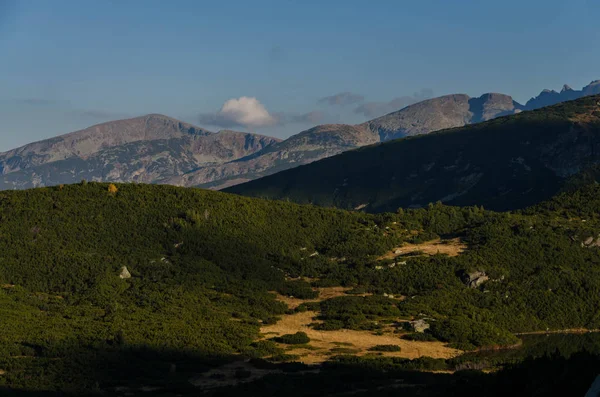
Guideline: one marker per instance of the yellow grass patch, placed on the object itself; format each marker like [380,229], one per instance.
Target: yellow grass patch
[451,247]
[323,342]
[324,294]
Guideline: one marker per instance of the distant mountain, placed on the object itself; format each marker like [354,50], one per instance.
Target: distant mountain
[505,163]
[551,97]
[159,149]
[142,149]
[303,148]
[440,113]
[328,140]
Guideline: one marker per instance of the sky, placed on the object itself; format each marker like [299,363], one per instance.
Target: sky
[276,67]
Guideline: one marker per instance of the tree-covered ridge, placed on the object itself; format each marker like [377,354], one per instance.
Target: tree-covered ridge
[202,264]
[506,163]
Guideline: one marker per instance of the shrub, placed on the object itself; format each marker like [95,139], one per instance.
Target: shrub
[298,289]
[385,348]
[419,337]
[299,338]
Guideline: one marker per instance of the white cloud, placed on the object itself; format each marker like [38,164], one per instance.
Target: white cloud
[243,111]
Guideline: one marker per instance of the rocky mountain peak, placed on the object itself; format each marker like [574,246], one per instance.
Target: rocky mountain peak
[566,88]
[551,97]
[492,105]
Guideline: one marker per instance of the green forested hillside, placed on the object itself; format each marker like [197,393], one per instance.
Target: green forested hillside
[202,264]
[506,163]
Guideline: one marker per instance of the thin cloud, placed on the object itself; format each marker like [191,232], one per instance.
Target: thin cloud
[342,99]
[376,109]
[240,112]
[313,117]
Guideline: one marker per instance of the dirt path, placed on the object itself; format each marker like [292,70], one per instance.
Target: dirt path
[358,342]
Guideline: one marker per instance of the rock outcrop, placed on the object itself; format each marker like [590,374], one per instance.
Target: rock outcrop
[419,325]
[591,242]
[474,279]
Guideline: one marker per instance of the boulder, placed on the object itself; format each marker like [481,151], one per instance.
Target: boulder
[124,273]
[475,279]
[419,325]
[591,242]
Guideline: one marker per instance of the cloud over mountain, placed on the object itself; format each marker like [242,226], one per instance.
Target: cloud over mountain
[342,99]
[376,109]
[243,111]
[313,117]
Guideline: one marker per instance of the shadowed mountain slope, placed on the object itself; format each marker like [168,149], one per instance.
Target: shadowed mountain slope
[506,163]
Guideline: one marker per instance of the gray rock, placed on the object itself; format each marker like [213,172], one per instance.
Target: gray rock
[475,279]
[591,242]
[419,325]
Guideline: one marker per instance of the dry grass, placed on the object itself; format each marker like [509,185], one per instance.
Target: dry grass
[323,341]
[451,247]
[324,294]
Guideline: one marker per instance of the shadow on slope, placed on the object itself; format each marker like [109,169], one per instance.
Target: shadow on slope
[141,371]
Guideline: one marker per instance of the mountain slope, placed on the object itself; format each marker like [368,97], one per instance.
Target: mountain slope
[142,149]
[505,163]
[303,148]
[440,113]
[331,139]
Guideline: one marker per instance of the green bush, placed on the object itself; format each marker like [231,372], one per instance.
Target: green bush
[385,348]
[419,337]
[299,338]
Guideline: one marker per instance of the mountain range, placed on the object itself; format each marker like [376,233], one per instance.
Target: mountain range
[506,163]
[159,149]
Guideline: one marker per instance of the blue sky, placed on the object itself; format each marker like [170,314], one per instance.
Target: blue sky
[266,66]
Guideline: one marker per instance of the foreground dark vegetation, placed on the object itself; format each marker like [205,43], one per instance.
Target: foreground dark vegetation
[202,265]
